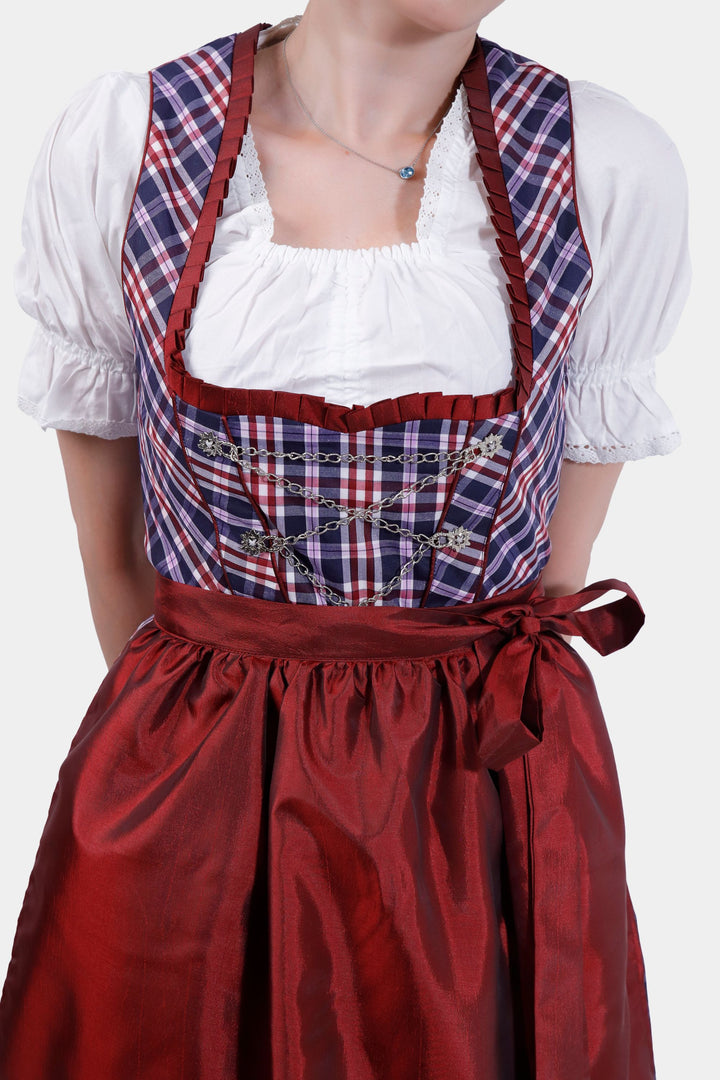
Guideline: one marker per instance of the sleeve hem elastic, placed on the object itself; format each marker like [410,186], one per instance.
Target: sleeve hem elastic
[81,355]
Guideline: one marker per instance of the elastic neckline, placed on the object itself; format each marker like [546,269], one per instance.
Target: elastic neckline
[313,408]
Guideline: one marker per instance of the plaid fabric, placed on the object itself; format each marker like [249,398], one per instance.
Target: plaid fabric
[189,98]
[198,506]
[356,560]
[531,110]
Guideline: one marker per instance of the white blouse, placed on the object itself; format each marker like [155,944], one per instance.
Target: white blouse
[356,325]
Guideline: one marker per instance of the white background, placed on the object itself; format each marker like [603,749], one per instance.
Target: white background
[658,536]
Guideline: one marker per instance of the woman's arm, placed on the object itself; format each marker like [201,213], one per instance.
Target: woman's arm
[585,492]
[103,479]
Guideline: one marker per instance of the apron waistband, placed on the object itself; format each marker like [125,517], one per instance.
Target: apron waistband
[515,637]
[250,625]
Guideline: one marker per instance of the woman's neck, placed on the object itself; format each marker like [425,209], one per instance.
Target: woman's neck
[366,74]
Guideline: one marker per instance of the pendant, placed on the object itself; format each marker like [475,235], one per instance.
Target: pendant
[406,172]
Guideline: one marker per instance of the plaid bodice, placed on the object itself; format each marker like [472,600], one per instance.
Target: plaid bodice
[424,499]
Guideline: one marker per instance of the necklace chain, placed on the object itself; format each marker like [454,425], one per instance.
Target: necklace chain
[405,172]
[254,542]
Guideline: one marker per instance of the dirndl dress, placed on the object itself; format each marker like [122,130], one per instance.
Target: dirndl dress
[345,807]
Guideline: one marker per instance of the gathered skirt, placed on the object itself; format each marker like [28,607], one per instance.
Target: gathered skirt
[299,842]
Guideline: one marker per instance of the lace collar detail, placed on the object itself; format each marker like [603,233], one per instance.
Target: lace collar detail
[449,148]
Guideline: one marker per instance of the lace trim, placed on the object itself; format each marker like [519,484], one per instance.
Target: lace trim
[256,182]
[450,132]
[105,429]
[603,455]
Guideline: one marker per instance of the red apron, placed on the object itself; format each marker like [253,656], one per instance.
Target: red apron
[307,841]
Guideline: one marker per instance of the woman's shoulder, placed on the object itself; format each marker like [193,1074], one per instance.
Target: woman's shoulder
[94,144]
[627,166]
[616,131]
[100,129]
[115,102]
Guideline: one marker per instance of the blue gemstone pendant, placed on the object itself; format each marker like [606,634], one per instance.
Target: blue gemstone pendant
[406,172]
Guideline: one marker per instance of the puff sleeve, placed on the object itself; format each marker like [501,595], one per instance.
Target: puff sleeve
[632,200]
[78,373]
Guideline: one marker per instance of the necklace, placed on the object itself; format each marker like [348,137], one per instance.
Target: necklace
[406,172]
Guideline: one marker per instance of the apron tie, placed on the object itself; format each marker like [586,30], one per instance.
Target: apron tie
[563,829]
[522,682]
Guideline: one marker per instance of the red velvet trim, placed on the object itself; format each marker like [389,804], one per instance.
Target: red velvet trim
[312,408]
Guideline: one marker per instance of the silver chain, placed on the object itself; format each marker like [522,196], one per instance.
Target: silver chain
[405,172]
[335,597]
[254,542]
[337,459]
[212,446]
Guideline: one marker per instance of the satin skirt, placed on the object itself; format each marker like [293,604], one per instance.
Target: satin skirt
[298,842]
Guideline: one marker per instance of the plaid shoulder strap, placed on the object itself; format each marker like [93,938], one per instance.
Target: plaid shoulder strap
[532,123]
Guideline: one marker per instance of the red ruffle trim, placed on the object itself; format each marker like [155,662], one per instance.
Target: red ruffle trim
[311,408]
[314,409]
[475,79]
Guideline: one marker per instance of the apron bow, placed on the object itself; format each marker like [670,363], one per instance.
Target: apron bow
[522,679]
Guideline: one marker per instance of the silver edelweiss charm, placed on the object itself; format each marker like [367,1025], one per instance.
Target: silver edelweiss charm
[456,539]
[489,446]
[252,542]
[209,444]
